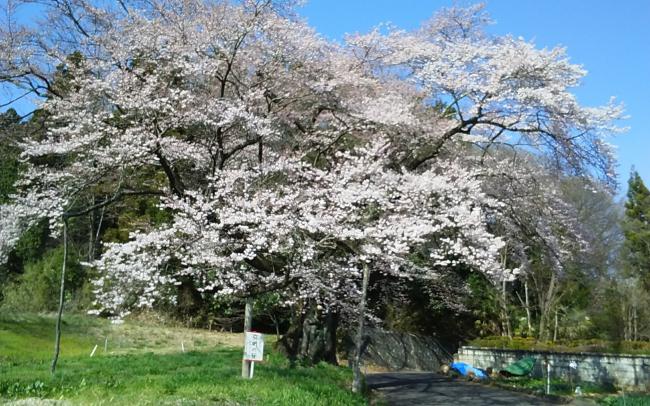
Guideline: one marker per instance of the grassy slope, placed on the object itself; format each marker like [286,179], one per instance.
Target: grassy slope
[592,345]
[144,365]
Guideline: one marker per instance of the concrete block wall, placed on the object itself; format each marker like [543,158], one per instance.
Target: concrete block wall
[627,371]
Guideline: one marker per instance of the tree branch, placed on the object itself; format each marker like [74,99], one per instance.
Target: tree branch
[116,197]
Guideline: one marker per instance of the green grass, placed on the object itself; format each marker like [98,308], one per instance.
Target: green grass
[29,337]
[159,374]
[603,394]
[626,400]
[591,345]
[558,386]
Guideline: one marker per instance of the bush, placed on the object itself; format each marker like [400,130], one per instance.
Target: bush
[37,288]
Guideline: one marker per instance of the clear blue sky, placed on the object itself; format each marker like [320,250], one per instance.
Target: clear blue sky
[610,39]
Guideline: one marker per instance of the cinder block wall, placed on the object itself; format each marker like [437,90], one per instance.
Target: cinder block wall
[628,371]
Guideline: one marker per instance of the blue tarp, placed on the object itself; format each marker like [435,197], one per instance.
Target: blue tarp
[465,369]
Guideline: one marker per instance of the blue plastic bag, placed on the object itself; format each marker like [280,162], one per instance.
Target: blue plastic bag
[465,369]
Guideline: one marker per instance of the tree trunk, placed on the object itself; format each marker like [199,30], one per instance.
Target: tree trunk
[91,235]
[545,308]
[505,317]
[528,320]
[98,229]
[635,319]
[311,337]
[629,323]
[248,324]
[507,330]
[541,334]
[276,324]
[356,367]
[555,327]
[57,334]
[626,331]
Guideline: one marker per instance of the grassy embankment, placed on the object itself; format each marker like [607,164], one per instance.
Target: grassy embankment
[144,364]
[593,345]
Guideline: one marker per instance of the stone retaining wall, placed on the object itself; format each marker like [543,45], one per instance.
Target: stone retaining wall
[397,351]
[629,371]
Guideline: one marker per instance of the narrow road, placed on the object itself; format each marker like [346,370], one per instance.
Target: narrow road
[425,388]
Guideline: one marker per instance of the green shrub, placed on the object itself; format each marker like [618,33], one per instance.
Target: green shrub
[37,288]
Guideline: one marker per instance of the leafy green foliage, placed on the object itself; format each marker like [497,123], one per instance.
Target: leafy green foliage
[37,289]
[134,214]
[30,247]
[33,243]
[484,304]
[607,315]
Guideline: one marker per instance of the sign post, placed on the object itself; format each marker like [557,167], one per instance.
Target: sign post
[253,350]
[573,370]
[548,376]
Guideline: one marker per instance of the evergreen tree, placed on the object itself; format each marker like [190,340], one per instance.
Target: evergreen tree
[636,228]
[9,153]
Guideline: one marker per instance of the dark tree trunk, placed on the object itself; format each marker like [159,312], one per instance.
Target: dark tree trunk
[357,384]
[57,334]
[189,302]
[311,338]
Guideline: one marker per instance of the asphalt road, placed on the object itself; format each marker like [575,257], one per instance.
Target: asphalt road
[424,388]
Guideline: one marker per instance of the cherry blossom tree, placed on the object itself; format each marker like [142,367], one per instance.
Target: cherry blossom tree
[286,162]
[494,91]
[502,102]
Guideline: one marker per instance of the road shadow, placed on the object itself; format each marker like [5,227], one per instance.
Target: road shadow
[424,388]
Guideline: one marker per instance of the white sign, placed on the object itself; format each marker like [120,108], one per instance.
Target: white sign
[254,346]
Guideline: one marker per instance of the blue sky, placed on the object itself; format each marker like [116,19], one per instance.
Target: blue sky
[610,39]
